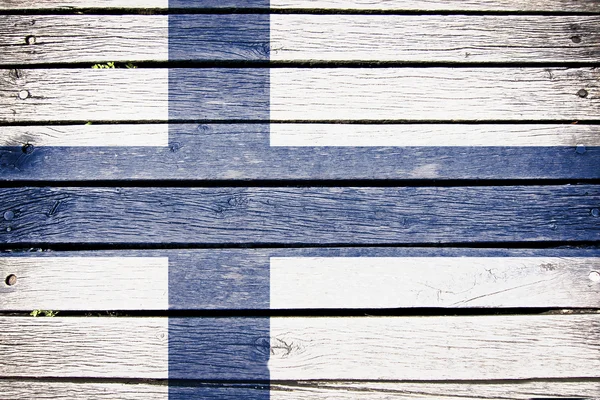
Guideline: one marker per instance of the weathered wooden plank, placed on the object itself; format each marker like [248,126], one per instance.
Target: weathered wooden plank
[399,5]
[434,38]
[433,94]
[397,348]
[279,151]
[430,135]
[299,279]
[85,283]
[306,215]
[320,94]
[516,390]
[284,37]
[78,94]
[389,282]
[155,135]
[26,39]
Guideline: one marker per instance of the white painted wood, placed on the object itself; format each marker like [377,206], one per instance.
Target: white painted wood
[314,94]
[300,37]
[121,135]
[83,38]
[437,135]
[394,282]
[390,348]
[525,390]
[434,94]
[413,5]
[71,4]
[84,347]
[431,38]
[85,283]
[435,348]
[303,390]
[449,5]
[84,95]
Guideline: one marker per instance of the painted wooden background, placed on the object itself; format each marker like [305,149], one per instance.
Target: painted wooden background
[299,199]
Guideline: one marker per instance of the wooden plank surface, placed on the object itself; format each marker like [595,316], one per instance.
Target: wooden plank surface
[320,390]
[246,279]
[283,37]
[120,135]
[299,151]
[418,5]
[398,348]
[304,215]
[85,283]
[289,94]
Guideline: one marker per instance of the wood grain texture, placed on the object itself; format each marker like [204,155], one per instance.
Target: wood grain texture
[83,94]
[84,347]
[391,282]
[301,215]
[320,390]
[247,279]
[284,37]
[409,348]
[433,38]
[300,94]
[30,39]
[244,151]
[74,4]
[121,135]
[429,5]
[85,283]
[438,135]
[433,94]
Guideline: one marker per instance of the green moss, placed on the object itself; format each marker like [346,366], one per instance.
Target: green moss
[43,313]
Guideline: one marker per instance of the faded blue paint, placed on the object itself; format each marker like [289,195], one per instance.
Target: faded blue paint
[202,348]
[191,4]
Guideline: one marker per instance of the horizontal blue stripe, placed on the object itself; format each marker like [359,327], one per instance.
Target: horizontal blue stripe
[224,152]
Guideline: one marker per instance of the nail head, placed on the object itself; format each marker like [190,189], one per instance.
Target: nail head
[23,94]
[582,93]
[30,40]
[595,212]
[11,280]
[594,276]
[9,215]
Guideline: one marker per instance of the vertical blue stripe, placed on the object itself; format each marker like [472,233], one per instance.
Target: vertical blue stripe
[209,349]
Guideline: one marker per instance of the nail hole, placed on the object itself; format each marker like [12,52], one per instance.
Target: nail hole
[30,39]
[11,280]
[582,93]
[594,276]
[9,215]
[576,39]
[23,94]
[27,149]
